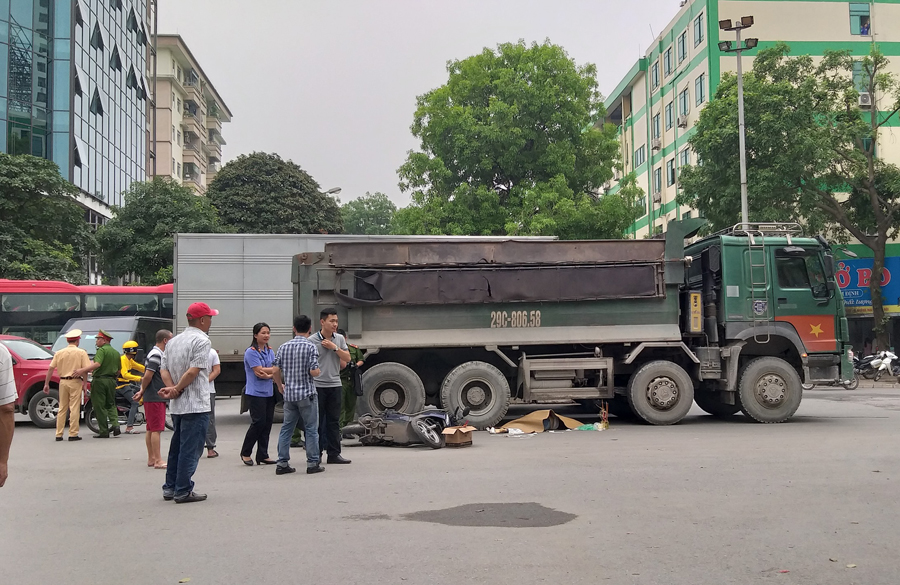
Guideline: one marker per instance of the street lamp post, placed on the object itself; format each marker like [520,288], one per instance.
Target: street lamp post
[333,191]
[725,46]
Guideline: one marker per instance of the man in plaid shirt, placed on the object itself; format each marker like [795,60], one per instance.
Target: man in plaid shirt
[296,364]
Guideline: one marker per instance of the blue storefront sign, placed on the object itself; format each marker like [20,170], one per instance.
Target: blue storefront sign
[853,277]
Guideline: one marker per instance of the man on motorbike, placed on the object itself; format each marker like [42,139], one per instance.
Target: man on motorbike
[129,383]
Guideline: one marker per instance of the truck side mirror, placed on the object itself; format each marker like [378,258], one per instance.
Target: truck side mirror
[829,265]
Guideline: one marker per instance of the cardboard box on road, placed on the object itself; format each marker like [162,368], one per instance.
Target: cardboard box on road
[458,436]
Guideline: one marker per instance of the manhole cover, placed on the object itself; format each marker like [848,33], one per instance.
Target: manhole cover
[517,515]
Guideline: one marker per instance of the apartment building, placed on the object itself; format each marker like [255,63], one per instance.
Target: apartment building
[189,116]
[659,100]
[73,90]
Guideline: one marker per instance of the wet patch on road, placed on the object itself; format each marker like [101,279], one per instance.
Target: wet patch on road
[513,515]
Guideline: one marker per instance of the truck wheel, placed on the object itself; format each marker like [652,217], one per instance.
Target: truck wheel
[769,390]
[709,402]
[392,385]
[42,408]
[661,393]
[481,388]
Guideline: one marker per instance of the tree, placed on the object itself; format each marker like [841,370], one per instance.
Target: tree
[262,194]
[43,232]
[371,214]
[811,152]
[139,237]
[508,146]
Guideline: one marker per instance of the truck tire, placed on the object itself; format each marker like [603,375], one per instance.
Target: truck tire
[769,390]
[392,385]
[481,388]
[709,402]
[42,408]
[661,393]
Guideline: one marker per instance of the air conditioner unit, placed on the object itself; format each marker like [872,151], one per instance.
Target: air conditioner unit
[655,144]
[682,121]
[657,198]
[865,99]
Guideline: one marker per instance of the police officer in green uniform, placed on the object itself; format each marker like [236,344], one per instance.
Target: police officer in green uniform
[105,367]
[348,386]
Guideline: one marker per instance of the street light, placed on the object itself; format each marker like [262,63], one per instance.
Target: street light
[333,191]
[738,47]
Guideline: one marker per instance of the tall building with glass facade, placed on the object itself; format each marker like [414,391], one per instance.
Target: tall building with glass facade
[73,89]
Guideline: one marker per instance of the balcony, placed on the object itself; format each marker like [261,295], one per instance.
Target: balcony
[191,156]
[213,123]
[191,123]
[213,150]
[194,92]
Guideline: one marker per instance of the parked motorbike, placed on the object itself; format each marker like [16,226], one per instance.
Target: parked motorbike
[883,364]
[397,428]
[122,407]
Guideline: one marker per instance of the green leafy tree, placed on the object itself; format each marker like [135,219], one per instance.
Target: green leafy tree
[371,214]
[260,193]
[508,146]
[139,237]
[811,151]
[43,232]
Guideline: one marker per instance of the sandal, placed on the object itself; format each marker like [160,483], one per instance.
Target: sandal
[212,454]
[163,466]
[132,432]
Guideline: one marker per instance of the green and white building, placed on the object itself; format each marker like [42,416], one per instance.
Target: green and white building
[659,100]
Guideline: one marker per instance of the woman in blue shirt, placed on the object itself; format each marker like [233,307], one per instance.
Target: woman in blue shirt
[259,390]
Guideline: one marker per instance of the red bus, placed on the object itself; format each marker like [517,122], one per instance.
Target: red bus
[38,309]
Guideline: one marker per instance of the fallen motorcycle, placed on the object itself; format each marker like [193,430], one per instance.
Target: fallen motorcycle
[398,428]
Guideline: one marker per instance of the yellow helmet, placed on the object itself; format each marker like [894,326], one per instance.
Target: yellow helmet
[130,346]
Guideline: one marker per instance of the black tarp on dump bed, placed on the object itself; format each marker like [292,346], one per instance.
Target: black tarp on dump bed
[513,284]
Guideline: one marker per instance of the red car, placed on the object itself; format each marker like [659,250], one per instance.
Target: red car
[30,364]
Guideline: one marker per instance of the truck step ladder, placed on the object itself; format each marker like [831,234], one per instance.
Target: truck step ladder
[760,304]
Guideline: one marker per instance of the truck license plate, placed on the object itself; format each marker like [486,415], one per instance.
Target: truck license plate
[515,319]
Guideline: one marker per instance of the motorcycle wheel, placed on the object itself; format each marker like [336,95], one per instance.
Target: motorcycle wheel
[851,384]
[878,375]
[868,374]
[89,419]
[169,424]
[430,433]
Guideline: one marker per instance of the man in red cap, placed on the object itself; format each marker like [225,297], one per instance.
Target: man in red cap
[185,371]
[103,385]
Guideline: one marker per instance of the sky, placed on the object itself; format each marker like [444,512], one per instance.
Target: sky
[332,85]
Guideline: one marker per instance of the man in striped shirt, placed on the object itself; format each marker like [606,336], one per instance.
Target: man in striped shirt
[296,364]
[186,360]
[7,409]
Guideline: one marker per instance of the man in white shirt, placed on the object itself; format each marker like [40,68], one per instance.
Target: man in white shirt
[214,369]
[7,410]
[185,371]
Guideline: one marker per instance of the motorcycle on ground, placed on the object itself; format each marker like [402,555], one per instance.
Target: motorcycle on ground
[397,428]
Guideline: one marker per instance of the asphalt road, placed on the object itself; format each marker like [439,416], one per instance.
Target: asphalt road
[812,501]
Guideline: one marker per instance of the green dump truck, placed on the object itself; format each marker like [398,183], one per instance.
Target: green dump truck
[735,321]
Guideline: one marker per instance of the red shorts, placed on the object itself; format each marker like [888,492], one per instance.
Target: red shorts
[156,416]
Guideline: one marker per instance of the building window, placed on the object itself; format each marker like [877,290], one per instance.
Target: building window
[670,116]
[179,137]
[131,24]
[654,75]
[97,37]
[642,203]
[115,62]
[670,172]
[640,155]
[700,89]
[657,179]
[655,126]
[682,46]
[173,166]
[179,170]
[684,158]
[686,215]
[173,133]
[96,106]
[860,22]
[698,29]
[667,62]
[179,104]
[684,105]
[117,4]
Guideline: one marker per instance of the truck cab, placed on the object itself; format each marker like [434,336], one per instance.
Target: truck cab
[766,292]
